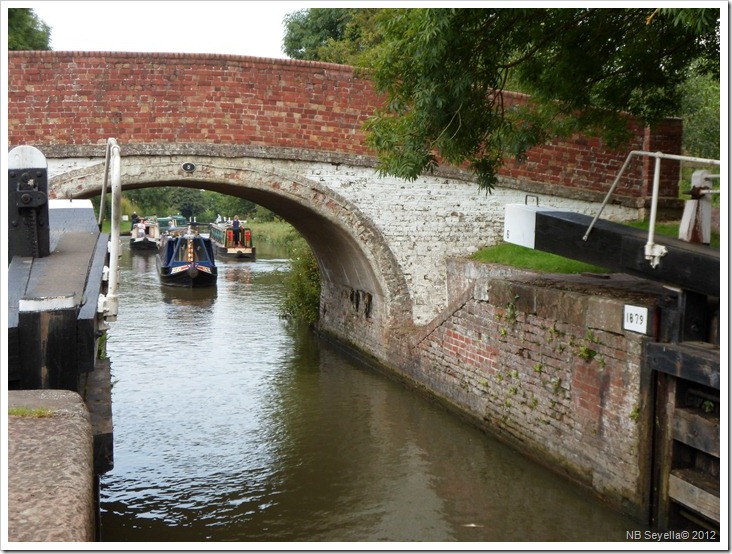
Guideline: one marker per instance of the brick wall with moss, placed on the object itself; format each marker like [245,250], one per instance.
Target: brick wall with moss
[543,362]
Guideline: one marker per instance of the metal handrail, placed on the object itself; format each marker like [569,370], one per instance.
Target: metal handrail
[653,251]
[100,217]
[108,304]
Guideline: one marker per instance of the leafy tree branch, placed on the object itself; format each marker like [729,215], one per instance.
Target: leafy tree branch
[444,72]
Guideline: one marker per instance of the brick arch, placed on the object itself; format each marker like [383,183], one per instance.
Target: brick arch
[355,260]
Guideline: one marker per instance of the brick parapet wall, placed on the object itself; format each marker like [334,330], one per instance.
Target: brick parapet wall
[83,98]
[587,164]
[545,364]
[663,137]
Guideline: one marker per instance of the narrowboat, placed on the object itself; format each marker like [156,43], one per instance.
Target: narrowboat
[186,260]
[145,235]
[222,237]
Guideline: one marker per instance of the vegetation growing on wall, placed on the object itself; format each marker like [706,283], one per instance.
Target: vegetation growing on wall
[30,412]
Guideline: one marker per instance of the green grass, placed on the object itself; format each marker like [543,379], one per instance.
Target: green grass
[671,229]
[276,233]
[28,412]
[534,260]
[543,262]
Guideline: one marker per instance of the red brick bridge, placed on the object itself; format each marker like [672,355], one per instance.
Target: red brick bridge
[288,135]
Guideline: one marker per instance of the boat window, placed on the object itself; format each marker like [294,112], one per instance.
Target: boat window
[220,233]
[199,251]
[181,254]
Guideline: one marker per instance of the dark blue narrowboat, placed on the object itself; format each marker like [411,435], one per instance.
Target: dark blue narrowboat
[186,260]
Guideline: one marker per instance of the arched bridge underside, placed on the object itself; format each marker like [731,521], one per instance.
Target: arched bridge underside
[380,243]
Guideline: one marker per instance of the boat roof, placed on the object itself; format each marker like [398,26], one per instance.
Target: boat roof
[225,224]
[186,235]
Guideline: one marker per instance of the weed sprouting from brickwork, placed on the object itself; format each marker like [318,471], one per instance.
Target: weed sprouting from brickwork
[511,314]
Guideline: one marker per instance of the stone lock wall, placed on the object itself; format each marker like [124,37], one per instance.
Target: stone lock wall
[544,363]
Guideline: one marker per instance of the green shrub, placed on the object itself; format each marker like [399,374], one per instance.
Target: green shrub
[302,285]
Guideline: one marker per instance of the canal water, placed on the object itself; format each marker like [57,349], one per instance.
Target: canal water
[231,424]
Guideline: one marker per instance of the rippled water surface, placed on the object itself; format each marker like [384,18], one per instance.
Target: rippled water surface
[233,425]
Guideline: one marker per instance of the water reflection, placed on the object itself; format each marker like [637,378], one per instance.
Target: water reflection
[233,425]
[194,298]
